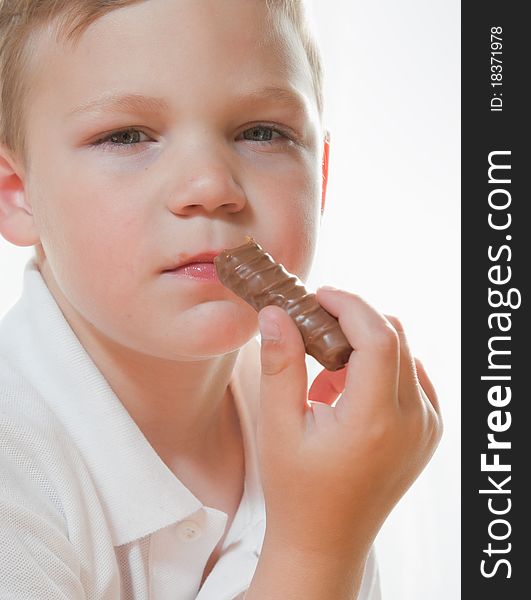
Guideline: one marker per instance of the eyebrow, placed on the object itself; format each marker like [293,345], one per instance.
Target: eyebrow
[121,102]
[288,97]
[138,102]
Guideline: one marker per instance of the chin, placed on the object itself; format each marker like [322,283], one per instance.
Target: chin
[212,331]
[223,337]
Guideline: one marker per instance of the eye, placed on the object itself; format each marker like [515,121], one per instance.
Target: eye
[264,134]
[120,139]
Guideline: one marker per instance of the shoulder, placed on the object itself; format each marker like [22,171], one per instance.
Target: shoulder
[54,533]
[26,421]
[19,399]
[40,465]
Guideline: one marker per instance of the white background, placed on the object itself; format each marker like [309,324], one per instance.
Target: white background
[391,232]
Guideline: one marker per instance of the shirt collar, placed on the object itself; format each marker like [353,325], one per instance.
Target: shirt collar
[138,492]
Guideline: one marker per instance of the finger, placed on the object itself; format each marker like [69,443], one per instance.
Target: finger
[427,386]
[407,384]
[411,376]
[284,379]
[327,386]
[372,371]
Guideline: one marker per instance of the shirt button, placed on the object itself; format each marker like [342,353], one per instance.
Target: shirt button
[188,531]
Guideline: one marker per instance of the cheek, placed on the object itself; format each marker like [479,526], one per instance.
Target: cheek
[294,216]
[90,242]
[99,225]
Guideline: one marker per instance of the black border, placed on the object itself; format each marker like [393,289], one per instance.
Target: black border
[484,131]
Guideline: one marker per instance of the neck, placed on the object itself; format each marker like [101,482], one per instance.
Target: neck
[184,409]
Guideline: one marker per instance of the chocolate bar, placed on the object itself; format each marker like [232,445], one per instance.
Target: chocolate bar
[252,274]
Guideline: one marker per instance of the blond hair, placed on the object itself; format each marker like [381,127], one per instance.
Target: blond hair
[21,20]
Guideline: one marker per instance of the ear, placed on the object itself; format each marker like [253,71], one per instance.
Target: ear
[16,217]
[326,157]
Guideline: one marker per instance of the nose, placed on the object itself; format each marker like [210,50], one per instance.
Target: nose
[207,185]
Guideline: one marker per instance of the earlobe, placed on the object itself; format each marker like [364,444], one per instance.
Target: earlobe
[16,217]
[326,158]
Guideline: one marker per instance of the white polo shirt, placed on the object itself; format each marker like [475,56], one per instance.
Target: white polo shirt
[88,510]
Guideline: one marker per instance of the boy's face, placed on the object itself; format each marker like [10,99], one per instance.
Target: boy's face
[191,177]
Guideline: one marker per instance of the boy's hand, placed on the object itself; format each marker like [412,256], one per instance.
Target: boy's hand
[331,475]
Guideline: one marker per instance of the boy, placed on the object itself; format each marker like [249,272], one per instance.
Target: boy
[144,432]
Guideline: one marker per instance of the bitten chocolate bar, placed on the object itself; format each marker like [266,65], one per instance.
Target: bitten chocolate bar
[251,273]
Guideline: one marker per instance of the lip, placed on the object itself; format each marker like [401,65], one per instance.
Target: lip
[200,271]
[203,257]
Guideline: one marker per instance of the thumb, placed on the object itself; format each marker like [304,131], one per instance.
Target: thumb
[284,379]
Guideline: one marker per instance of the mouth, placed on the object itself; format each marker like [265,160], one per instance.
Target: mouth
[200,267]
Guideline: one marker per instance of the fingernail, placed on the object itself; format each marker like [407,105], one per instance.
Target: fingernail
[328,288]
[269,330]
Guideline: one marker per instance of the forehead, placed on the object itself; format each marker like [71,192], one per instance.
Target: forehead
[198,51]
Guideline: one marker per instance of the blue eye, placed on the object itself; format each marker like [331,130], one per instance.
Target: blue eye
[124,137]
[262,133]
